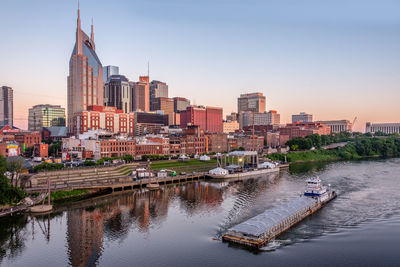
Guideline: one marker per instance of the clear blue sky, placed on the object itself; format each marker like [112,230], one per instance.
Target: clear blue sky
[336,59]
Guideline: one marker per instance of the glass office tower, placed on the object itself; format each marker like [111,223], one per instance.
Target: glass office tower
[45,116]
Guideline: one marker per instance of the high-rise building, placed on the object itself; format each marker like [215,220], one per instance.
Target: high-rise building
[117,93]
[194,115]
[251,102]
[181,104]
[6,106]
[166,105]
[109,71]
[157,89]
[149,122]
[248,118]
[302,117]
[45,116]
[232,117]
[273,118]
[85,79]
[208,119]
[141,94]
[214,119]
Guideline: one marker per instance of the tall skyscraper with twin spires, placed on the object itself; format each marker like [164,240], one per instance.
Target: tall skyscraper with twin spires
[85,80]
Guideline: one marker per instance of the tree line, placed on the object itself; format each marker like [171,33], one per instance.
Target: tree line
[358,146]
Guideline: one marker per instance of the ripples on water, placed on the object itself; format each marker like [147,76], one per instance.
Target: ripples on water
[367,191]
[180,217]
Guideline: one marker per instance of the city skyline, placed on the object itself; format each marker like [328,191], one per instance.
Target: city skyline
[331,69]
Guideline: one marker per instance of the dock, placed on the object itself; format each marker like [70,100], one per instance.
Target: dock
[259,230]
[24,207]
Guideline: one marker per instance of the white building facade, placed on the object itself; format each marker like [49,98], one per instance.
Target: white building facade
[386,128]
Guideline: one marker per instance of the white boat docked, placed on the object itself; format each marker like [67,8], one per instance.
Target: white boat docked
[241,164]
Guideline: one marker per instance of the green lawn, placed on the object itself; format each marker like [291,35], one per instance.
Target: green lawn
[190,165]
[66,194]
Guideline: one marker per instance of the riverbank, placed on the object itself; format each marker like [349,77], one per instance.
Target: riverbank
[186,217]
[362,148]
[60,197]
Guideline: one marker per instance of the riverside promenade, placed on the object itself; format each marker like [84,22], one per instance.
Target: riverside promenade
[103,178]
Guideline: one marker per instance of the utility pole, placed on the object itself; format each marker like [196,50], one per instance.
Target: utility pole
[252,137]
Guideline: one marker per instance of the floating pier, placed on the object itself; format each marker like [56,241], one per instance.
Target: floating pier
[259,230]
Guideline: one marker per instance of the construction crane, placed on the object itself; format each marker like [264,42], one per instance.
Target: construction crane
[354,121]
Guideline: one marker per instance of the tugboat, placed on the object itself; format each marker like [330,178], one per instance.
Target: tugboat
[259,230]
[316,190]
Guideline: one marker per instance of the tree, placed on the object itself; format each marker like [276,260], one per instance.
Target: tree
[300,143]
[128,158]
[379,133]
[55,149]
[89,163]
[29,151]
[326,140]
[315,139]
[14,166]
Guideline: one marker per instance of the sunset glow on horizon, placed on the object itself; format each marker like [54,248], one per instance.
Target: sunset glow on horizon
[335,60]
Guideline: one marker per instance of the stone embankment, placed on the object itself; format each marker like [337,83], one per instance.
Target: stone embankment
[69,178]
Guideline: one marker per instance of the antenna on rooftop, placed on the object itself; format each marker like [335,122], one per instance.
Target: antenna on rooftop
[148,69]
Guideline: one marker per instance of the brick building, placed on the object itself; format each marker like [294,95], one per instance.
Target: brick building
[302,129]
[117,148]
[9,149]
[208,119]
[216,143]
[193,141]
[41,150]
[251,143]
[272,139]
[146,147]
[106,118]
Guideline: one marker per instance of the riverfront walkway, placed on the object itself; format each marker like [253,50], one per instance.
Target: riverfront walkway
[68,178]
[127,184]
[108,178]
[105,178]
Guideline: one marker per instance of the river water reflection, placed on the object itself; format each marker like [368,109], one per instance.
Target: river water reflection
[180,225]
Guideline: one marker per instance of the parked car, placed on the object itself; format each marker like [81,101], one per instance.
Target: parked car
[37,159]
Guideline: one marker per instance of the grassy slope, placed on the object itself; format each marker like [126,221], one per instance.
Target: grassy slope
[302,156]
[66,194]
[190,165]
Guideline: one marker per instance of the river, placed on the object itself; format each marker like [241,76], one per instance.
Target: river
[181,225]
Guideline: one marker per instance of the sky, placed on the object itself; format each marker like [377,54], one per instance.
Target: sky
[335,59]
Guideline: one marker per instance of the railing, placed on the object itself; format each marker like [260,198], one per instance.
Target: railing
[111,182]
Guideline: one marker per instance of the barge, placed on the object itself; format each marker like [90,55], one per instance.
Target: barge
[259,230]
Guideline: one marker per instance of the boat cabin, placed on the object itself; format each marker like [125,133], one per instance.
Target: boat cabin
[314,187]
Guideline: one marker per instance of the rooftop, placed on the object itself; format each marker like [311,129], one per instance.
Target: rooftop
[242,153]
